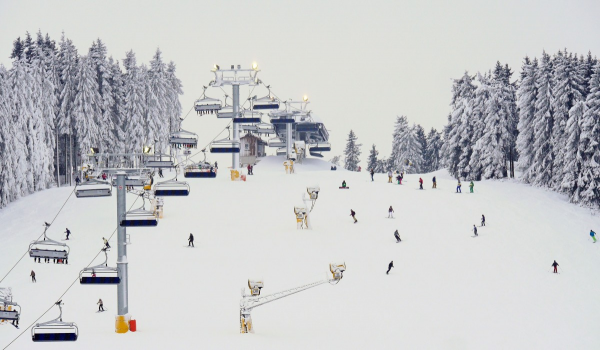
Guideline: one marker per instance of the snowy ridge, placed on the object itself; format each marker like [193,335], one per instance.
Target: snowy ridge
[447,290]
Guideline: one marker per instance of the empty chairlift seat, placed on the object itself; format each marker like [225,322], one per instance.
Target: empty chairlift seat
[225,146]
[94,188]
[100,274]
[171,188]
[159,161]
[55,330]
[139,218]
[265,103]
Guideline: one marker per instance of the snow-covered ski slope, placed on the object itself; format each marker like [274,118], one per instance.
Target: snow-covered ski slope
[448,290]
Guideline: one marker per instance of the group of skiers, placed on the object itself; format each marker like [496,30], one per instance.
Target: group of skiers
[482,224]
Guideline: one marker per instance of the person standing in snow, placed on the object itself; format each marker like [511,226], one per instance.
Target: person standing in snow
[420,183]
[397,235]
[160,174]
[106,245]
[77,181]
[191,240]
[458,187]
[100,305]
[434,183]
[390,267]
[391,212]
[593,235]
[372,172]
[475,230]
[482,220]
[555,265]
[352,213]
[399,179]
[471,186]
[68,233]
[32,274]
[389,176]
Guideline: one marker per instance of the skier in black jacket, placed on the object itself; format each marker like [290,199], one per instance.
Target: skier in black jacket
[397,235]
[191,240]
[390,267]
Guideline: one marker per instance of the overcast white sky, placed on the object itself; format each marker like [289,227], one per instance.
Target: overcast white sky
[360,62]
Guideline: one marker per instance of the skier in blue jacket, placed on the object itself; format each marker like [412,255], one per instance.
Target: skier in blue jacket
[593,234]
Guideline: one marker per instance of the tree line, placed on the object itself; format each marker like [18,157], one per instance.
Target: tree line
[55,105]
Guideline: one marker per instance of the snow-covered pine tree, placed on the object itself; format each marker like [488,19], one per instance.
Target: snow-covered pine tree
[383,165]
[117,87]
[7,175]
[433,151]
[526,101]
[588,184]
[134,105]
[422,140]
[572,166]
[106,126]
[473,132]
[352,152]
[157,101]
[174,90]
[86,107]
[458,134]
[543,122]
[565,92]
[336,160]
[67,67]
[372,160]
[407,154]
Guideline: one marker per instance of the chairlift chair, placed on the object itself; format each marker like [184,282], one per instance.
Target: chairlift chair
[94,188]
[265,103]
[159,161]
[225,146]
[139,218]
[9,310]
[207,105]
[226,112]
[200,170]
[55,330]
[171,188]
[183,139]
[100,274]
[42,249]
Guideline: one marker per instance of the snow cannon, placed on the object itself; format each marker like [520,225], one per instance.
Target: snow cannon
[255,286]
[300,211]
[313,192]
[337,271]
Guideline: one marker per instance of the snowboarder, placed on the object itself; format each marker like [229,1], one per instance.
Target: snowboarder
[420,183]
[100,305]
[482,220]
[106,245]
[471,186]
[397,235]
[344,184]
[458,187]
[434,183]
[391,212]
[593,234]
[160,174]
[390,267]
[352,213]
[191,240]
[475,230]
[372,172]
[77,181]
[68,233]
[32,274]
[389,176]
[555,265]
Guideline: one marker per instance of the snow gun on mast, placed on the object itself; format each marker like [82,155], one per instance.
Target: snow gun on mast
[254,300]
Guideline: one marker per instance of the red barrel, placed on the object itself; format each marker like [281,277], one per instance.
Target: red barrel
[132,326]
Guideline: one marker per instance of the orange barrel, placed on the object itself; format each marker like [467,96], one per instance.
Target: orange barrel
[132,325]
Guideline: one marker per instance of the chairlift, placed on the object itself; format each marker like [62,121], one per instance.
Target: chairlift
[139,218]
[265,128]
[171,188]
[94,188]
[183,139]
[9,310]
[42,249]
[225,146]
[100,274]
[55,330]
[206,105]
[200,170]
[276,142]
[265,103]
[226,112]
[159,161]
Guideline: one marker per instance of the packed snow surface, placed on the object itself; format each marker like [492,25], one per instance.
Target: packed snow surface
[448,290]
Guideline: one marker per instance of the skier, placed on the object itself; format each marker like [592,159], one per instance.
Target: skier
[216,165]
[593,234]
[389,176]
[32,274]
[420,183]
[77,181]
[471,186]
[391,212]
[191,240]
[397,235]
[352,213]
[475,230]
[434,183]
[482,220]
[458,187]
[160,174]
[359,168]
[100,305]
[390,267]
[372,172]
[68,233]
[104,176]
[106,245]
[399,179]
[555,265]
[249,170]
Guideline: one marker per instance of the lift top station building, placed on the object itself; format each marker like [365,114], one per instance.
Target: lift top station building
[290,126]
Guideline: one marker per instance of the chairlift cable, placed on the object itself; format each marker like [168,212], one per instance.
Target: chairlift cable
[68,288]
[51,222]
